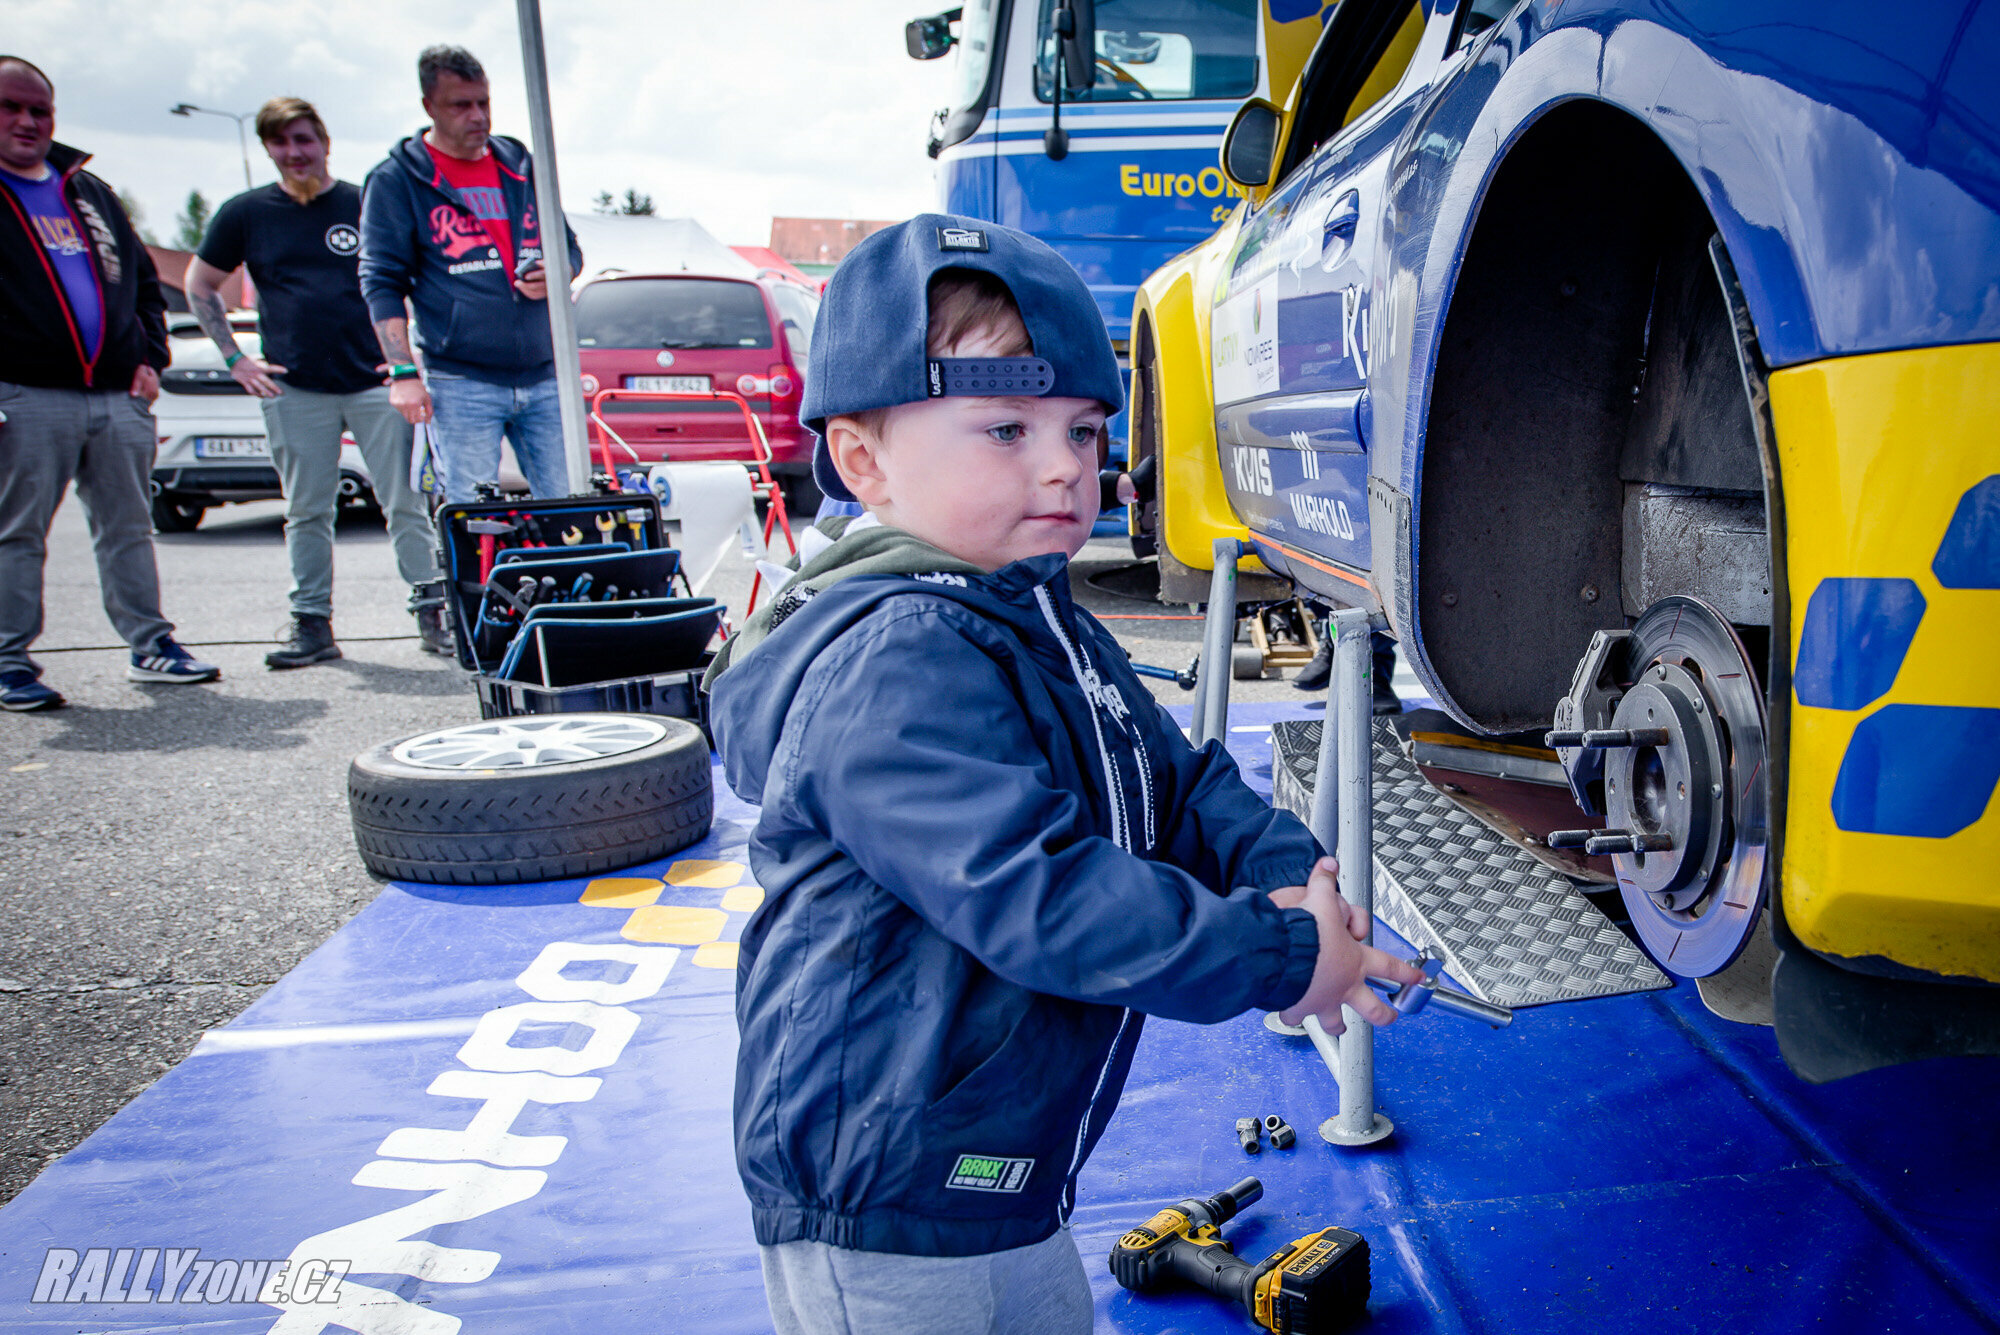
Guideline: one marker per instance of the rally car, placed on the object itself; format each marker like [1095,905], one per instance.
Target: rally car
[1639,364]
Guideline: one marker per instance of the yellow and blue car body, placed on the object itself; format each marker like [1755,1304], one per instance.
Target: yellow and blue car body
[1547,313]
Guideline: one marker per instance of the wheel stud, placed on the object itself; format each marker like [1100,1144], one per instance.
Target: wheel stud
[1626,841]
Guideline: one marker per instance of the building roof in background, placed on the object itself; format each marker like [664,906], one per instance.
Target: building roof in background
[820,240]
[619,243]
[238,293]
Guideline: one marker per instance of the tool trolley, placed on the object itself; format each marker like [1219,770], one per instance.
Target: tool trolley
[574,605]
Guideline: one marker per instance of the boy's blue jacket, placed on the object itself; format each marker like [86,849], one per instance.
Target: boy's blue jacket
[940,996]
[420,240]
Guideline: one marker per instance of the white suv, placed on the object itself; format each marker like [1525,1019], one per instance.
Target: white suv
[212,444]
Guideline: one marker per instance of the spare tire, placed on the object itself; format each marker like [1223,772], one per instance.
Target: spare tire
[536,798]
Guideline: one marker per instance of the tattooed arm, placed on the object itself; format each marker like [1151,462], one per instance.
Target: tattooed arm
[204,297]
[409,397]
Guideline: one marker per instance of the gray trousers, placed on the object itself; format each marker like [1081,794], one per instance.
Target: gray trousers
[104,441]
[816,1289]
[304,428]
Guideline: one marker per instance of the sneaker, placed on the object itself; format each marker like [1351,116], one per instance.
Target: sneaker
[433,636]
[170,663]
[310,641]
[22,691]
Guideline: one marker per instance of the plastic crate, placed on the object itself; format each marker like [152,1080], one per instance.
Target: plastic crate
[672,694]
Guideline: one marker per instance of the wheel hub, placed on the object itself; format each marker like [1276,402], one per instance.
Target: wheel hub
[1663,732]
[522,743]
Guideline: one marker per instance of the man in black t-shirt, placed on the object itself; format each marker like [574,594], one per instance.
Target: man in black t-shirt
[300,239]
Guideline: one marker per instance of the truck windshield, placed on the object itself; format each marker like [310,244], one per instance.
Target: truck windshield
[671,313]
[1158,50]
[975,53]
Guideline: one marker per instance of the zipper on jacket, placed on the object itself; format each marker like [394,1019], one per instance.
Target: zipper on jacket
[1121,833]
[1121,829]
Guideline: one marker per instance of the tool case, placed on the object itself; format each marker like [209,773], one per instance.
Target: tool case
[578,604]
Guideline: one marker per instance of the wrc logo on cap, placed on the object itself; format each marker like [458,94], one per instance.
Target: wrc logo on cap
[961,238]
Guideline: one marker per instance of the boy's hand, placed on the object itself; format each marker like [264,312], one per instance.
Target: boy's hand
[1341,975]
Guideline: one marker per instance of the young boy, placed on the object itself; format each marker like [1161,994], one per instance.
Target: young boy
[986,851]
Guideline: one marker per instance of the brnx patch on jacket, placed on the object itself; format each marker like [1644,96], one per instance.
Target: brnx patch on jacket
[980,1172]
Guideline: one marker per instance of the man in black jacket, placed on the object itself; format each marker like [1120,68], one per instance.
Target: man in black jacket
[83,339]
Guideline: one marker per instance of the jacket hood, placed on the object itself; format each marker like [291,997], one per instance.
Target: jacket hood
[874,550]
[413,157]
[760,669]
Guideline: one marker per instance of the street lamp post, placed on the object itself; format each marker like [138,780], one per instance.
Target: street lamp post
[242,136]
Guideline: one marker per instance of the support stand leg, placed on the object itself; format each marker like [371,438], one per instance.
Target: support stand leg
[1218,637]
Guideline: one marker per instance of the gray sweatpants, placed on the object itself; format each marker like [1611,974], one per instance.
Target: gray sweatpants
[305,427]
[104,441]
[816,1289]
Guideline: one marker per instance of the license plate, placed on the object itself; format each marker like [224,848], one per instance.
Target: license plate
[668,384]
[231,447]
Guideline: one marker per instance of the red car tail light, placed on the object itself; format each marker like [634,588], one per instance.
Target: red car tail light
[781,382]
[590,384]
[748,385]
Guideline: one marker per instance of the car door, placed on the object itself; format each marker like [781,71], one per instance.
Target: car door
[1294,320]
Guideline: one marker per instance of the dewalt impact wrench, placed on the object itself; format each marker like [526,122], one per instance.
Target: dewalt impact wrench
[1314,1286]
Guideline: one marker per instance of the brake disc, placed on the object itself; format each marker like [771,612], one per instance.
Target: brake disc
[1685,789]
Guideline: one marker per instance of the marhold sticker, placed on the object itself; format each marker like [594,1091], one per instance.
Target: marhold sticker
[983,1172]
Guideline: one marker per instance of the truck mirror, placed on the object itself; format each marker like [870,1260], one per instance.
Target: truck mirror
[929,38]
[1249,144]
[1079,39]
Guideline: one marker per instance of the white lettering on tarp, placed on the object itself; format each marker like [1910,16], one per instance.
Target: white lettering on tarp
[491,1046]
[489,1136]
[381,1244]
[1321,514]
[58,1265]
[506,1077]
[544,980]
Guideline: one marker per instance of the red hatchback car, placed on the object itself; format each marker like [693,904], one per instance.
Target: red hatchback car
[689,332]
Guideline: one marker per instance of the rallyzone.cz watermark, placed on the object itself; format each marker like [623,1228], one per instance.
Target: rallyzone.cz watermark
[108,1275]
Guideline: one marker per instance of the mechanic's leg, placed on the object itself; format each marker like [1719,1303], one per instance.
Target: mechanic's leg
[113,480]
[467,418]
[304,428]
[40,443]
[384,438]
[535,427]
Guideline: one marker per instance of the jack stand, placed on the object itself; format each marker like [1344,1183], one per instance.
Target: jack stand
[1218,638]
[1343,818]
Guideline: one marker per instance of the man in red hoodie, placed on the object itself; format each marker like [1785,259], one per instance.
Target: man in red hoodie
[83,339]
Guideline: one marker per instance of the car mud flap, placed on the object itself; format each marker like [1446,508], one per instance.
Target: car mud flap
[1834,1022]
[1512,931]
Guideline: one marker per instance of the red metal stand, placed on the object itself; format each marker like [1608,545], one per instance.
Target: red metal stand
[763,486]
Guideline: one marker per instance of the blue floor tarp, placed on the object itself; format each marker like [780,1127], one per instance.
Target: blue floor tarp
[510,1110]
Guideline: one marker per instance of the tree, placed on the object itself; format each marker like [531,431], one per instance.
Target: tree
[194,221]
[635,204]
[130,203]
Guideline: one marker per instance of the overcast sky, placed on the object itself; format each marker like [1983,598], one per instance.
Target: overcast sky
[726,112]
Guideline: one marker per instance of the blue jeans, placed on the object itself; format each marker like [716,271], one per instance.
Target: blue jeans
[469,417]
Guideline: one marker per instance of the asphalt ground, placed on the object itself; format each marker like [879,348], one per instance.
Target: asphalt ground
[168,852]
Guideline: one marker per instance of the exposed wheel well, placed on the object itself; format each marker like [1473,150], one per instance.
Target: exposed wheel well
[1586,378]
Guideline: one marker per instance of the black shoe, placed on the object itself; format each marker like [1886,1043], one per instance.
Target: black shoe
[1386,699]
[1315,674]
[311,642]
[433,636]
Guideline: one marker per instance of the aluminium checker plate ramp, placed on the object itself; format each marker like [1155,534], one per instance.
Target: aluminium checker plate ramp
[1511,931]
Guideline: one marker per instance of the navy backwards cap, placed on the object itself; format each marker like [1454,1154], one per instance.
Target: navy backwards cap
[869,340]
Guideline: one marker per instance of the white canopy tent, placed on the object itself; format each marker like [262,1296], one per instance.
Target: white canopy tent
[617,244]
